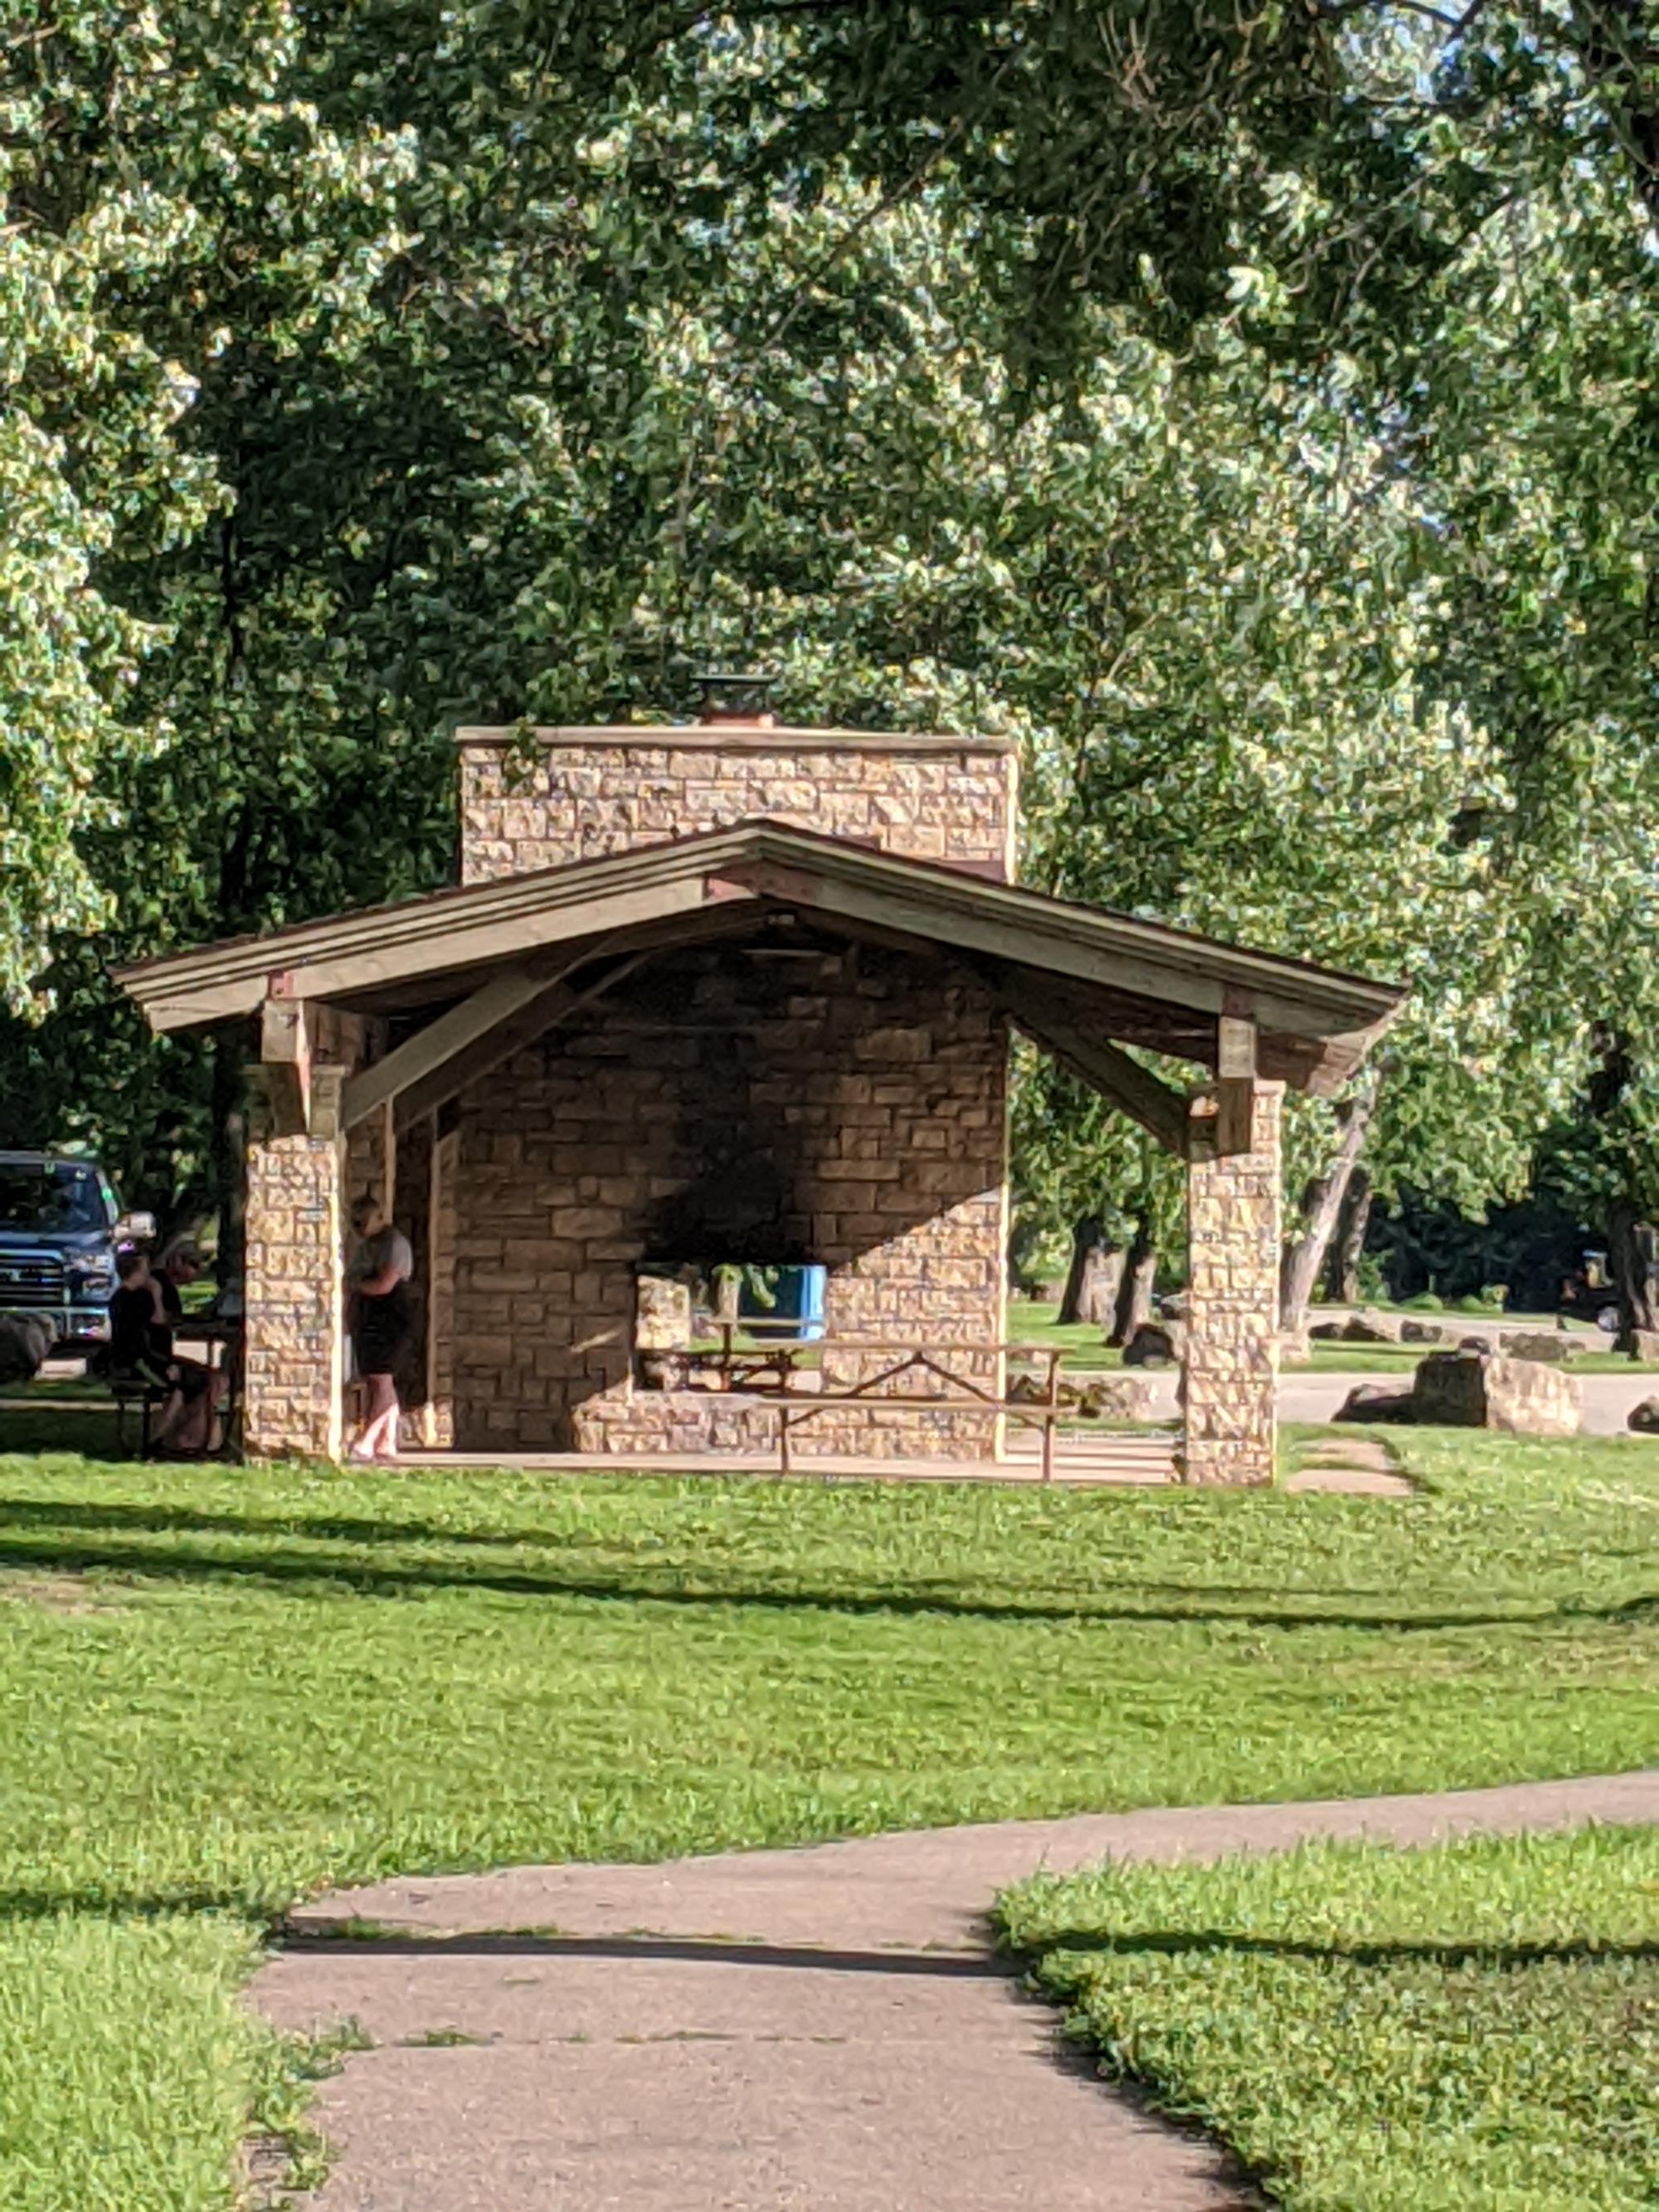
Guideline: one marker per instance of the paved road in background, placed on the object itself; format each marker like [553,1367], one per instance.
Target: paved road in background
[1607,1398]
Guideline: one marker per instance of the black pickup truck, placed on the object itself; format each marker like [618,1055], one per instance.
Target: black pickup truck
[61,1226]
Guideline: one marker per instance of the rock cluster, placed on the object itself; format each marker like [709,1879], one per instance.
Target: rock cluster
[1155,1344]
[1554,1346]
[1093,1397]
[1367,1327]
[1478,1389]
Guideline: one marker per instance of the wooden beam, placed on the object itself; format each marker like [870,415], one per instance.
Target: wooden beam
[503,995]
[1236,1072]
[969,927]
[285,1046]
[555,1003]
[1236,1047]
[1100,1064]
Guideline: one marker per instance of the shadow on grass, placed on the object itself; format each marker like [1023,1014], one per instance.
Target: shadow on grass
[277,1570]
[1212,1942]
[349,1938]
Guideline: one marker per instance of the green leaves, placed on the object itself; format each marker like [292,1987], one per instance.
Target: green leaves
[1252,420]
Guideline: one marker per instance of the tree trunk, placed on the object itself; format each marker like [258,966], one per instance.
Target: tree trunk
[1305,1255]
[1342,1276]
[1627,1264]
[1134,1290]
[1091,1293]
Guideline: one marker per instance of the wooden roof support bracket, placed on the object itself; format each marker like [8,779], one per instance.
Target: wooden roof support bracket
[440,1042]
[553,1003]
[1096,1061]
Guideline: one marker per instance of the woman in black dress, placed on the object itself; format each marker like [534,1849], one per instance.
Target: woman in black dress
[381,1323]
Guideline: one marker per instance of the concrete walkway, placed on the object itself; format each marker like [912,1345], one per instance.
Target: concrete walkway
[822,2030]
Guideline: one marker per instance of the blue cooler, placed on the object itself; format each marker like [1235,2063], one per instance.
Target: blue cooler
[796,1312]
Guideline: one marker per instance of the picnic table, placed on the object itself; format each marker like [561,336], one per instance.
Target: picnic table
[774,1371]
[223,1338]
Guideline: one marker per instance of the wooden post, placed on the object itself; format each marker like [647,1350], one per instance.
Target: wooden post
[1052,1415]
[1236,1059]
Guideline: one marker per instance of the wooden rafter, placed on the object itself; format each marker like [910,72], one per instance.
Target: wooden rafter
[441,1041]
[483,1052]
[1096,1061]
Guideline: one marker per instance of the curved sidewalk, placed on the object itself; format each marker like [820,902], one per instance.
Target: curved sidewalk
[819,2030]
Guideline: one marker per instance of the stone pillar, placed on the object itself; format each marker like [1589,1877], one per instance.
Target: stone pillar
[440,1294]
[293,1294]
[1232,1317]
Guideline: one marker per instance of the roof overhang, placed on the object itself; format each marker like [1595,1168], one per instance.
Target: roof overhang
[1104,974]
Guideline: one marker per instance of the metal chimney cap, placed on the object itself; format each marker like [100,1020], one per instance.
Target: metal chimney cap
[741,696]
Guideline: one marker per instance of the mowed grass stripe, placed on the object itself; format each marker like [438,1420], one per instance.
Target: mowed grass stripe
[221,1690]
[1469,2028]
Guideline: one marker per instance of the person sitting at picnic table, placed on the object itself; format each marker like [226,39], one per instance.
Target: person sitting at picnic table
[141,1346]
[381,1322]
[201,1386]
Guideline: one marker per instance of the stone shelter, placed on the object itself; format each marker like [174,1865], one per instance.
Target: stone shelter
[731,993]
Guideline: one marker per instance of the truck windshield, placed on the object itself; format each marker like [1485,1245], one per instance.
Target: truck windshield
[48,1197]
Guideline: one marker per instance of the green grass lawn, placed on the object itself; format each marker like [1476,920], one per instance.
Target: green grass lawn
[221,1689]
[1470,2028]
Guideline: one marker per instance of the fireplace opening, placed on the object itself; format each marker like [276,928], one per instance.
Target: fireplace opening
[687,1311]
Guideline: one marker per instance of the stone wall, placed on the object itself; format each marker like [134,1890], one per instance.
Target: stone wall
[791,1104]
[1231,1373]
[292,1296]
[371,1162]
[588,793]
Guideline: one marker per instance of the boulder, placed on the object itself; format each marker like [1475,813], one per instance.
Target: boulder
[1370,1327]
[1643,1345]
[1327,1332]
[1118,1398]
[1491,1390]
[1377,1401]
[1154,1343]
[1412,1331]
[1553,1345]
[1175,1307]
[1645,1417]
[25,1340]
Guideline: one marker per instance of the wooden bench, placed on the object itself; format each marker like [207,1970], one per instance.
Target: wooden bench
[129,1391]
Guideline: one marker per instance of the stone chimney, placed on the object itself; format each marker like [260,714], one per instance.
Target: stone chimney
[590,792]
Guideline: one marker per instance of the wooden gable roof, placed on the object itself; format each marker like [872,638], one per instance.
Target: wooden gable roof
[1064,971]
